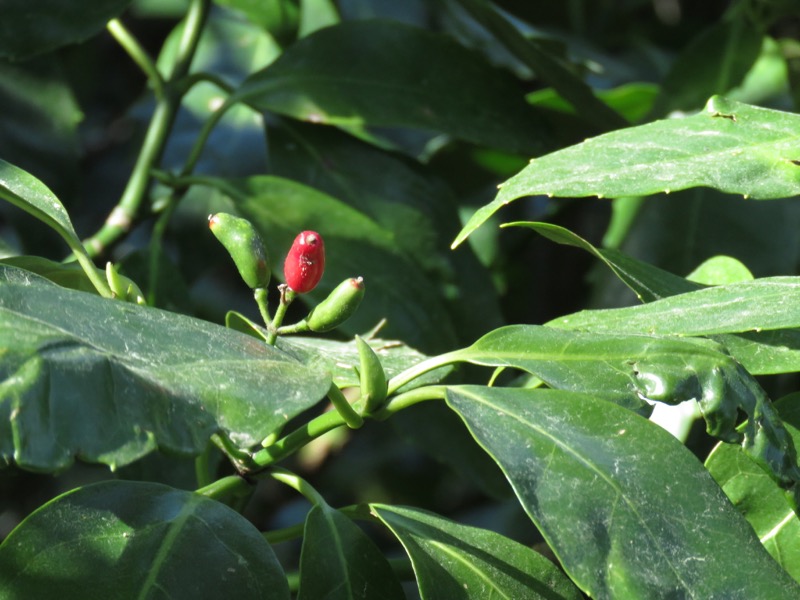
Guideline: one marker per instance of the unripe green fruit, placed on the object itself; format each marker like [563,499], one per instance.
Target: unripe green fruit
[245,246]
[374,387]
[339,306]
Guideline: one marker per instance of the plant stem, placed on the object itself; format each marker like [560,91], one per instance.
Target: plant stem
[298,483]
[156,245]
[121,218]
[344,408]
[284,534]
[263,305]
[230,486]
[202,137]
[410,398]
[287,295]
[298,438]
[138,54]
[430,364]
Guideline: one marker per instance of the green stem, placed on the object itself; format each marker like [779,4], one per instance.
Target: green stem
[284,534]
[291,443]
[156,245]
[263,305]
[241,459]
[187,46]
[230,486]
[410,398]
[298,483]
[202,137]
[344,408]
[299,327]
[430,364]
[287,295]
[138,54]
[121,218]
[201,468]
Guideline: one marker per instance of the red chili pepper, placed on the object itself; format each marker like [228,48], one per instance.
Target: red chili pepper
[305,262]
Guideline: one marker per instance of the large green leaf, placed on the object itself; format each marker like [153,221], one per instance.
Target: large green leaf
[457,561]
[729,146]
[28,28]
[629,369]
[628,510]
[384,73]
[108,381]
[339,561]
[763,313]
[121,539]
[356,245]
[759,498]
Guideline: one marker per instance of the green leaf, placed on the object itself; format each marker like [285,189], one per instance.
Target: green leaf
[760,500]
[720,270]
[730,146]
[629,512]
[647,282]
[632,100]
[384,73]
[629,369]
[356,245]
[120,539]
[108,381]
[68,275]
[279,17]
[763,313]
[31,195]
[28,29]
[339,561]
[457,561]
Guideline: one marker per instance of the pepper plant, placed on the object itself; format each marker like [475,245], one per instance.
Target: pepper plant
[398,395]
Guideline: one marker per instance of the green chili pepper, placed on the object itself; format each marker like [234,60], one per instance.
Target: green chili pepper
[374,387]
[339,306]
[245,246]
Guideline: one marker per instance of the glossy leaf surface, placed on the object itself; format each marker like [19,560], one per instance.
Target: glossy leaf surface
[339,561]
[122,539]
[629,369]
[457,561]
[107,381]
[413,78]
[628,510]
[31,195]
[763,313]
[757,496]
[730,146]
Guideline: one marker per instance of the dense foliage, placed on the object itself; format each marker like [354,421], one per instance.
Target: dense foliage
[547,349]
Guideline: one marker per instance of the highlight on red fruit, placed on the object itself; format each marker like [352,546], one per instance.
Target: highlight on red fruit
[305,262]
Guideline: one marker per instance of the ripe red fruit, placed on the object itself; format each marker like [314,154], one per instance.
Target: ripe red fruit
[305,262]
